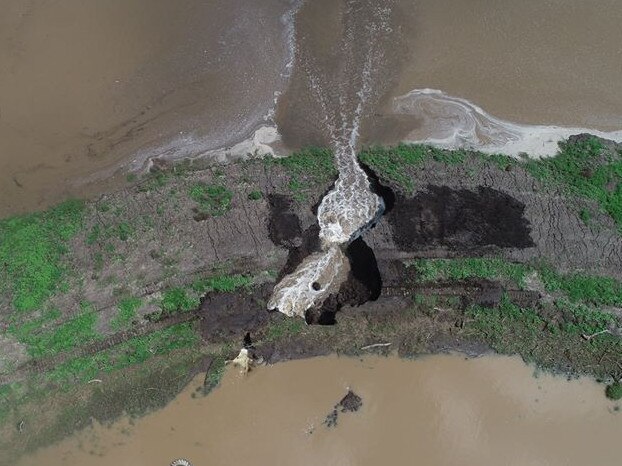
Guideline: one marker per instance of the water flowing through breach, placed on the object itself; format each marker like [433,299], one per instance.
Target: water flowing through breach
[350,207]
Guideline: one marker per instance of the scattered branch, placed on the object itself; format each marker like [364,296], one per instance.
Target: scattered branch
[376,345]
[589,337]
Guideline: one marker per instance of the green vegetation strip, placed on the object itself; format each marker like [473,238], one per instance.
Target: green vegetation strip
[127,312]
[577,288]
[133,351]
[586,170]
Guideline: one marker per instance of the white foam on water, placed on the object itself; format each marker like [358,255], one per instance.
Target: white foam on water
[295,293]
[454,123]
[350,207]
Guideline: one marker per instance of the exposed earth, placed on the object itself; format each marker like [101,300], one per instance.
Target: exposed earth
[145,287]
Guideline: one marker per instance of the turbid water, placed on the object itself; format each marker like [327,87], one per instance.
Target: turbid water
[86,88]
[438,410]
[89,87]
[342,93]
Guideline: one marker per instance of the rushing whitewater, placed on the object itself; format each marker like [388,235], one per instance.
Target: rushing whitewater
[350,207]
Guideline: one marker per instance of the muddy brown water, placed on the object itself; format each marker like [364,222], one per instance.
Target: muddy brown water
[533,62]
[438,410]
[86,87]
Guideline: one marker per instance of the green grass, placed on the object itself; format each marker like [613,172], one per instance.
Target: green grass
[510,329]
[127,308]
[178,300]
[124,230]
[599,291]
[583,169]
[134,351]
[216,371]
[212,200]
[31,250]
[497,325]
[580,319]
[154,181]
[226,283]
[184,299]
[94,235]
[586,216]
[70,334]
[307,168]
[389,162]
[461,269]
[586,170]
[284,328]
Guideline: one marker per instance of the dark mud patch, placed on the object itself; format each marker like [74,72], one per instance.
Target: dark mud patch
[364,284]
[385,192]
[459,219]
[283,225]
[293,347]
[284,229]
[227,317]
[309,243]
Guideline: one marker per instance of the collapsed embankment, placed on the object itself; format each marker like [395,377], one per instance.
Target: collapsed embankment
[172,275]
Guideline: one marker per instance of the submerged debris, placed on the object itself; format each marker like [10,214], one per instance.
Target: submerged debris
[348,404]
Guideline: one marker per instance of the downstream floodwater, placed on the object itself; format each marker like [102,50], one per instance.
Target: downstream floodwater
[436,410]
